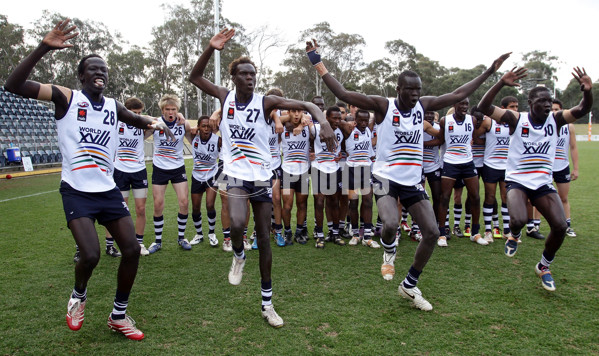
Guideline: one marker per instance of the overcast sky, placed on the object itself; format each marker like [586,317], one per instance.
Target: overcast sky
[459,33]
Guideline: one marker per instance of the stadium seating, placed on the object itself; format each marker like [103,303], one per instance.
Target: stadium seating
[29,125]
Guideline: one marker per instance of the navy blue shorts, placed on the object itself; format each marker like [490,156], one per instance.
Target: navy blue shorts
[258,191]
[562,176]
[298,182]
[103,206]
[127,181]
[199,187]
[434,176]
[532,194]
[459,171]
[163,176]
[492,175]
[277,173]
[359,177]
[326,183]
[408,195]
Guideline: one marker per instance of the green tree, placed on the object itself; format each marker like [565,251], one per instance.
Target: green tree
[129,76]
[376,79]
[341,53]
[178,43]
[61,66]
[11,47]
[405,57]
[262,42]
[541,70]
[572,96]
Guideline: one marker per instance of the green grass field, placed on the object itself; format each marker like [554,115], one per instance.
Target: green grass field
[333,301]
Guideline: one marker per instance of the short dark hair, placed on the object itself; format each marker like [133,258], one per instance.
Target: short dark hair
[362,111]
[82,62]
[316,97]
[203,117]
[134,104]
[331,109]
[507,100]
[241,60]
[341,104]
[558,102]
[275,92]
[406,74]
[535,92]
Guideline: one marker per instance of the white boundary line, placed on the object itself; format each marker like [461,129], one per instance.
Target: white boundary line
[27,196]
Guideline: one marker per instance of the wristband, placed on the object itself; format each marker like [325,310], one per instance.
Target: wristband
[314,56]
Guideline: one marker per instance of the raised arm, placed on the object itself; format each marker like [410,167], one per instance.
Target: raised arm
[585,105]
[432,103]
[197,73]
[366,102]
[17,81]
[486,103]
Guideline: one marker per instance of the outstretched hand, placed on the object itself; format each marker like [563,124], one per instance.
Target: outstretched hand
[60,34]
[583,79]
[499,61]
[312,52]
[513,75]
[311,45]
[328,136]
[161,126]
[220,39]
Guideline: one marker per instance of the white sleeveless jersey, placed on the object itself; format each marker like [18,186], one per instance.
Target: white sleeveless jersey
[359,148]
[374,128]
[296,151]
[325,160]
[400,145]
[478,155]
[497,144]
[531,154]
[275,147]
[130,156]
[205,157]
[431,159]
[562,149]
[87,137]
[169,154]
[458,139]
[245,135]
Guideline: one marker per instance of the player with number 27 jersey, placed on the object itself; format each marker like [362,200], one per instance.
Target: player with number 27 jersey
[246,149]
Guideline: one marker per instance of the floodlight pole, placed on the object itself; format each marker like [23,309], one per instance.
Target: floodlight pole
[217,53]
